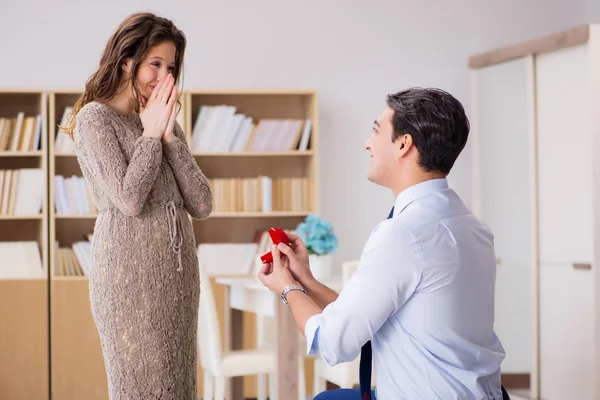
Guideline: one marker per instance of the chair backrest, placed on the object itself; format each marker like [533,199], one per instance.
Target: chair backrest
[209,333]
[348,268]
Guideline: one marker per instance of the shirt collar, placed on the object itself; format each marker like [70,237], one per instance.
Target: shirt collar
[410,194]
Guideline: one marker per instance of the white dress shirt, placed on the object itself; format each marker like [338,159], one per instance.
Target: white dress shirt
[424,295]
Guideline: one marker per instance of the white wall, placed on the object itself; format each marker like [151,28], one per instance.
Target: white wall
[592,11]
[353,52]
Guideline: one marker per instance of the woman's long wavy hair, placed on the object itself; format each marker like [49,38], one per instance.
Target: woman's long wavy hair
[136,35]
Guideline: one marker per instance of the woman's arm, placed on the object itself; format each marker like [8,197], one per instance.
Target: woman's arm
[192,182]
[127,184]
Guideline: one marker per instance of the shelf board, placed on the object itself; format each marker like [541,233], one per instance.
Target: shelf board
[254,153]
[61,91]
[222,214]
[69,278]
[36,153]
[242,91]
[28,279]
[19,217]
[76,216]
[306,153]
[240,214]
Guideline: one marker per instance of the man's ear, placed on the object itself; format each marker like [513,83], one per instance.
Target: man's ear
[404,144]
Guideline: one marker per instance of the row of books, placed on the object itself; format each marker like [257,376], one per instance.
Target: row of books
[23,260]
[21,133]
[260,194]
[63,143]
[21,191]
[72,196]
[217,258]
[74,260]
[221,129]
[20,259]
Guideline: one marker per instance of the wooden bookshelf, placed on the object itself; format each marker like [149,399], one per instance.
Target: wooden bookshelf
[77,365]
[241,226]
[66,360]
[24,366]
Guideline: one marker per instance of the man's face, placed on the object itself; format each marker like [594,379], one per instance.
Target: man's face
[384,153]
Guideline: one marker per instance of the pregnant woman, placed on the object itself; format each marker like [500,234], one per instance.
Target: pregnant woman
[144,279]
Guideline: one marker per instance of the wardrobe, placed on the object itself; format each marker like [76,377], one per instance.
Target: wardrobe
[535,137]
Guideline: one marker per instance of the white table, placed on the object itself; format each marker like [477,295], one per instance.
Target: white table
[250,295]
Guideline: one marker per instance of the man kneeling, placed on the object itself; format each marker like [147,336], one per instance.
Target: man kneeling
[422,299]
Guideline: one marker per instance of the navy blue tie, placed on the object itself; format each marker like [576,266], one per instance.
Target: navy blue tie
[366,355]
[391,214]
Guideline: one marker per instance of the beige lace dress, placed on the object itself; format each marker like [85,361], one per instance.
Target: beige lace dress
[144,278]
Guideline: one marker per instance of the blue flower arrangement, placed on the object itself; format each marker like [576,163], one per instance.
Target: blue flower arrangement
[317,235]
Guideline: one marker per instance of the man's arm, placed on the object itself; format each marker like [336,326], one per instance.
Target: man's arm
[320,294]
[303,308]
[388,275]
[277,277]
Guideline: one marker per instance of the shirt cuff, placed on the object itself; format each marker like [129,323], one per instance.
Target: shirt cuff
[311,332]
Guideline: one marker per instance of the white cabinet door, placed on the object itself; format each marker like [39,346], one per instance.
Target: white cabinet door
[503,169]
[566,333]
[564,120]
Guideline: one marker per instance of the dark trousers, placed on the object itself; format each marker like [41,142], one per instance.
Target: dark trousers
[342,394]
[354,394]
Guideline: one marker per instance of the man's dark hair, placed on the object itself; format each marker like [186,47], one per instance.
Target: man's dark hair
[437,123]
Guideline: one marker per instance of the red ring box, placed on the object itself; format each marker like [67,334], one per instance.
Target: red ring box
[277,236]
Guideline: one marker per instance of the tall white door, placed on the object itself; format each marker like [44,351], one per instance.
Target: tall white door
[565,224]
[503,136]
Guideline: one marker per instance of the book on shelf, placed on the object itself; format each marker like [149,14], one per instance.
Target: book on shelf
[20,260]
[260,194]
[221,129]
[21,133]
[73,260]
[72,196]
[62,142]
[21,191]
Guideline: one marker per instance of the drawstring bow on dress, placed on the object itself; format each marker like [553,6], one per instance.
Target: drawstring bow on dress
[174,231]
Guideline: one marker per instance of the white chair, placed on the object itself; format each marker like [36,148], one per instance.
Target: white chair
[265,340]
[218,365]
[344,375]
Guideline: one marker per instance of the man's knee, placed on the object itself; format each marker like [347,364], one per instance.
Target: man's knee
[340,394]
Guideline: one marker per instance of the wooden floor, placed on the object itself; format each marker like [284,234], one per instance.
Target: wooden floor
[519,394]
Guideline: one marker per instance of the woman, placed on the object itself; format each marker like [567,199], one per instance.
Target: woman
[144,279]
